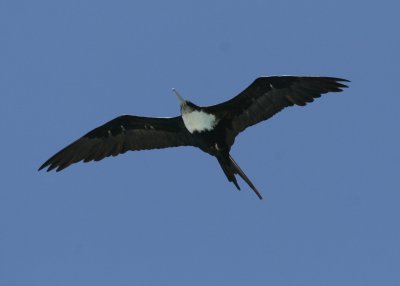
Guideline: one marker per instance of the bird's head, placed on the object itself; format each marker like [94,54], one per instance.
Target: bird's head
[186,106]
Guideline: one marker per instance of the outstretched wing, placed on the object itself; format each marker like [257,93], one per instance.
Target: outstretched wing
[120,135]
[267,96]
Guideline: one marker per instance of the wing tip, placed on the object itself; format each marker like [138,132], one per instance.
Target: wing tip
[339,83]
[50,165]
[43,166]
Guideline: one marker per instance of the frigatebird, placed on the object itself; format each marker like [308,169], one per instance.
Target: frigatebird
[211,128]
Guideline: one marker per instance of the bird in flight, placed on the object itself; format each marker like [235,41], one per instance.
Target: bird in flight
[213,129]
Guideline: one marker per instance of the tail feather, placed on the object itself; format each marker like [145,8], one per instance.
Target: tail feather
[230,168]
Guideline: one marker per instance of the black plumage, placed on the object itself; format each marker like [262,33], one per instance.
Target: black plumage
[262,99]
[119,135]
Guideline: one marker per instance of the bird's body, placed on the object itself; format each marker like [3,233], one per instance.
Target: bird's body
[212,128]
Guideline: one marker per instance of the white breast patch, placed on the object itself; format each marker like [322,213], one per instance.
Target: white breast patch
[199,121]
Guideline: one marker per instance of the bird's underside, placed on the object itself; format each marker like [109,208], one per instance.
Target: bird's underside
[212,128]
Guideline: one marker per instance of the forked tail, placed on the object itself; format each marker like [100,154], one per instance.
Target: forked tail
[230,168]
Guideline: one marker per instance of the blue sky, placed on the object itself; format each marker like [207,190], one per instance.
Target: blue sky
[329,172]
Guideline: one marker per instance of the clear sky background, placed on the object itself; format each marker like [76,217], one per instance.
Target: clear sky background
[329,172]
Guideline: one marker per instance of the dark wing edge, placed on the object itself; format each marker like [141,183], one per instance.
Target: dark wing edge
[119,135]
[267,96]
